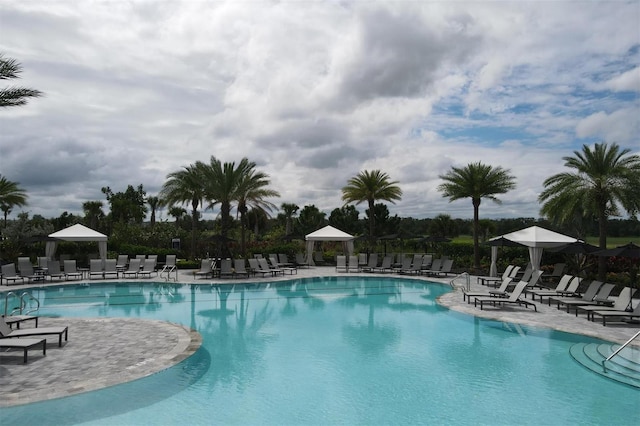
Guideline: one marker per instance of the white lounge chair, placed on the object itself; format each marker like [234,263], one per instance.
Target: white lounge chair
[111,268]
[95,268]
[619,315]
[341,263]
[354,264]
[133,270]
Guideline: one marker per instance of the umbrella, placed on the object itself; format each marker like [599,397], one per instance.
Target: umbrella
[502,242]
[496,242]
[579,247]
[627,250]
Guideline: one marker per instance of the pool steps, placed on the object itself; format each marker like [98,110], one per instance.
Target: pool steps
[624,368]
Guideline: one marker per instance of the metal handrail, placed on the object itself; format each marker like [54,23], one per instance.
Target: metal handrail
[6,301]
[23,304]
[604,367]
[467,277]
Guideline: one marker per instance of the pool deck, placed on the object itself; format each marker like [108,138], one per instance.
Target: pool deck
[103,352]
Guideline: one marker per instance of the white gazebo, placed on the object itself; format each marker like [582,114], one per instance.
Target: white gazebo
[537,239]
[77,232]
[328,233]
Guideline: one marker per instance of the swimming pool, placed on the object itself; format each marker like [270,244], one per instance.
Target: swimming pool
[339,350]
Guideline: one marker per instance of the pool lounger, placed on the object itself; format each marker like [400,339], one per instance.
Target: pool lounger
[6,332]
[19,319]
[24,344]
[514,298]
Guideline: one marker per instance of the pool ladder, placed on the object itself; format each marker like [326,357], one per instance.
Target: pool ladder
[466,277]
[22,309]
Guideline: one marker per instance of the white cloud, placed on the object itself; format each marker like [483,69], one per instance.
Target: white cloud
[314,93]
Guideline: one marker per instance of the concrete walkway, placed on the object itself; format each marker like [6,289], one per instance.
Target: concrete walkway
[103,352]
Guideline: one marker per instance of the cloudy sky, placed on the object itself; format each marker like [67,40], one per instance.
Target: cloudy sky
[315,92]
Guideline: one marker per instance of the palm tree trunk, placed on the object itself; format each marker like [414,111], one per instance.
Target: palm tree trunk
[476,227]
[194,225]
[602,231]
[372,222]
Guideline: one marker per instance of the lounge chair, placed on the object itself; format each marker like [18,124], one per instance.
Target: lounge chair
[264,266]
[341,263]
[354,264]
[225,268]
[19,319]
[445,270]
[415,268]
[148,268]
[9,274]
[111,268]
[385,266]
[71,270]
[556,274]
[436,265]
[240,268]
[318,258]
[95,268]
[169,267]
[133,270]
[24,344]
[588,297]
[301,262]
[371,263]
[255,268]
[283,261]
[509,271]
[53,270]
[558,291]
[7,332]
[427,259]
[513,299]
[500,292]
[122,262]
[26,270]
[620,315]
[620,303]
[206,268]
[405,265]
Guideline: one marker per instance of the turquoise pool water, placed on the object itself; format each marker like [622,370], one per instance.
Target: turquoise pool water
[373,351]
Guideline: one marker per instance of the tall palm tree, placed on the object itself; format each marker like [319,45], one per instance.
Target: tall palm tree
[289,210]
[154,205]
[371,187]
[183,187]
[13,96]
[476,181]
[221,183]
[11,195]
[603,181]
[252,192]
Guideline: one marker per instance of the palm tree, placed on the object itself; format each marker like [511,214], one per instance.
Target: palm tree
[11,195]
[476,181]
[154,204]
[13,96]
[178,213]
[371,187]
[289,210]
[252,192]
[221,183]
[604,181]
[183,187]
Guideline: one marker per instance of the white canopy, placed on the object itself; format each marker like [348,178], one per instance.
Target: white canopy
[537,239]
[78,232]
[328,233]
